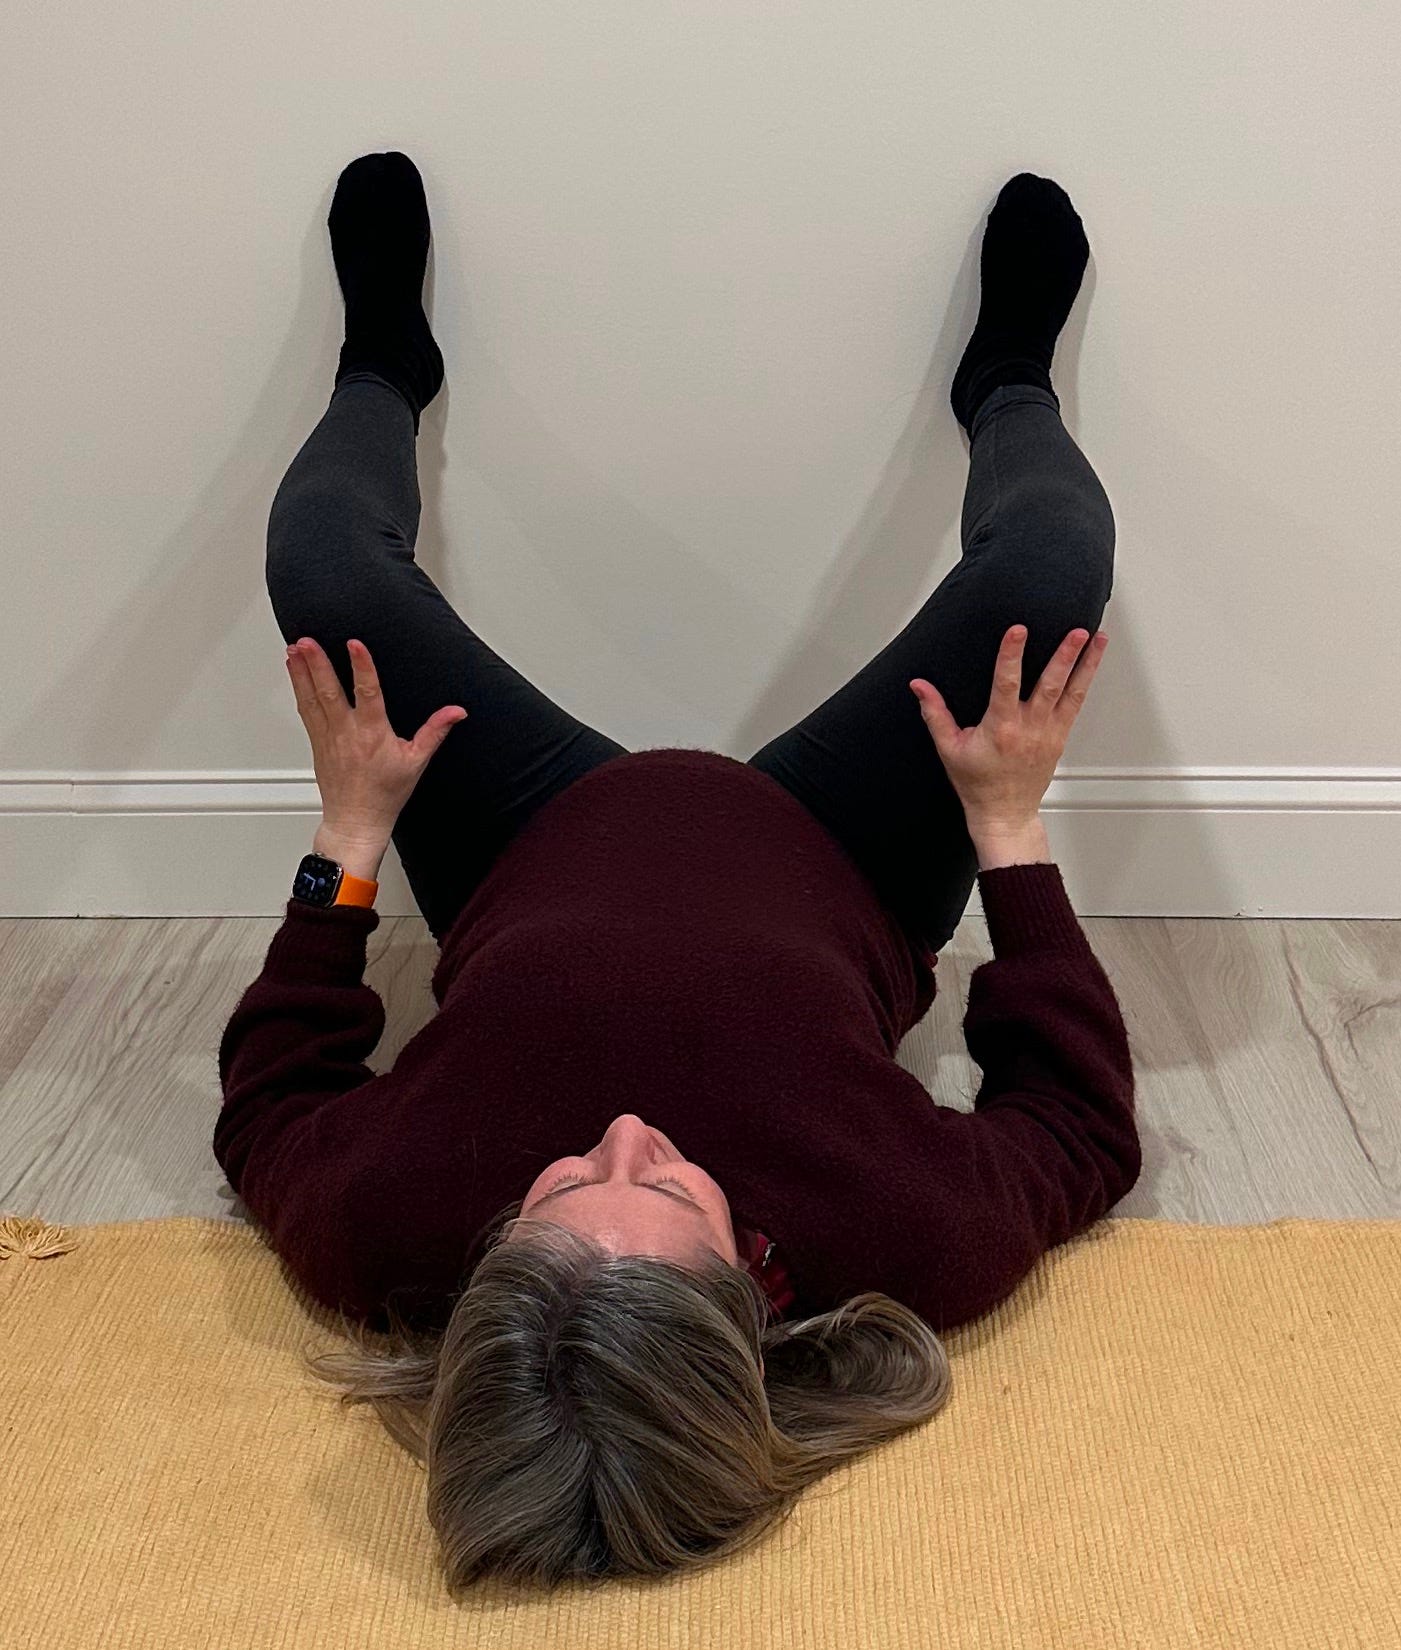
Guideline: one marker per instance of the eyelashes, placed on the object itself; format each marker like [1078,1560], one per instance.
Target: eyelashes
[578,1180]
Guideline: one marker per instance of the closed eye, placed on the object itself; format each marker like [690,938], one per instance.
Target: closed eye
[577,1180]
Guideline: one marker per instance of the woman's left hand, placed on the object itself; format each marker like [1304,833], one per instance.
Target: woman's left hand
[365,771]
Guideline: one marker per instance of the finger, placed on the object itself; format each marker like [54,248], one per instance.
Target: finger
[1007,674]
[1046,695]
[1078,686]
[365,679]
[325,683]
[438,726]
[309,707]
[937,716]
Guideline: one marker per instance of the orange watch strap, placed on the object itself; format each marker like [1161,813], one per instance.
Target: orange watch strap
[355,890]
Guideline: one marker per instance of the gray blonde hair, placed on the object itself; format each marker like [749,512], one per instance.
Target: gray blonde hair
[586,1414]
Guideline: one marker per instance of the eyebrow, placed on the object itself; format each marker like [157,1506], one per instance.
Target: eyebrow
[664,1191]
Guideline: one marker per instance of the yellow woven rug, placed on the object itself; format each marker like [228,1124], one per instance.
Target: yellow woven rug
[1170,1436]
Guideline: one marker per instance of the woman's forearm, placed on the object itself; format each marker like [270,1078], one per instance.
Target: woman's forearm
[1020,845]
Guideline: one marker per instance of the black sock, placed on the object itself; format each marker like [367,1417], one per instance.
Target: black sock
[379,241]
[1033,260]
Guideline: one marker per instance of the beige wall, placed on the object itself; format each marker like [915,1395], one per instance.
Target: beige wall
[701,275]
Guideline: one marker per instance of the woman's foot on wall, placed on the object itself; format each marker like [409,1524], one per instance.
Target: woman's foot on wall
[379,241]
[1033,261]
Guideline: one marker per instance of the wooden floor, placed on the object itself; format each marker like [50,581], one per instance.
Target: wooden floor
[1268,1056]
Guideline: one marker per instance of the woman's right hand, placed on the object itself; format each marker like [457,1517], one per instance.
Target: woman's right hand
[1003,767]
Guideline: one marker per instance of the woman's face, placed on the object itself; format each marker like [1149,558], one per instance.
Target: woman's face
[635,1194]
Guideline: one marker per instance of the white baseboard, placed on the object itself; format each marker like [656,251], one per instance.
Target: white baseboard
[1190,842]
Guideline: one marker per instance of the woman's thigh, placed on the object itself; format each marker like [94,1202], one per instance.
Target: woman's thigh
[340,563]
[1038,549]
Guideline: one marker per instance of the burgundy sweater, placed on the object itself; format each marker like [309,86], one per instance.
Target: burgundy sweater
[676,935]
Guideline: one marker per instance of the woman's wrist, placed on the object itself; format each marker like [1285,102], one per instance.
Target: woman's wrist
[358,856]
[999,845]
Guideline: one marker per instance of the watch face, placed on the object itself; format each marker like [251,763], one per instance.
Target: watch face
[317,880]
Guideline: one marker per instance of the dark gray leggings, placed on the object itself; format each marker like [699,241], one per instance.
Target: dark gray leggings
[1038,549]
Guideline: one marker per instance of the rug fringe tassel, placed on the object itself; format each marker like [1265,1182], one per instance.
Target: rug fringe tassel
[30,1236]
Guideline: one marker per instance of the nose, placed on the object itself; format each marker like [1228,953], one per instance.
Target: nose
[630,1145]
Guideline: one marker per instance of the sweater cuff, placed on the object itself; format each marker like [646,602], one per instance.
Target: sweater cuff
[1028,909]
[324,944]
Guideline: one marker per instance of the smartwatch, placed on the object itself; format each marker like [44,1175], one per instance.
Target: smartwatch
[322,881]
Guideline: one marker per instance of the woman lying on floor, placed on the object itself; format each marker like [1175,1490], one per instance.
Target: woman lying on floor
[634,1359]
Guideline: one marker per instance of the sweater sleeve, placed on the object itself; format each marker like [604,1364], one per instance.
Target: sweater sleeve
[293,1050]
[1056,1104]
[948,1210]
